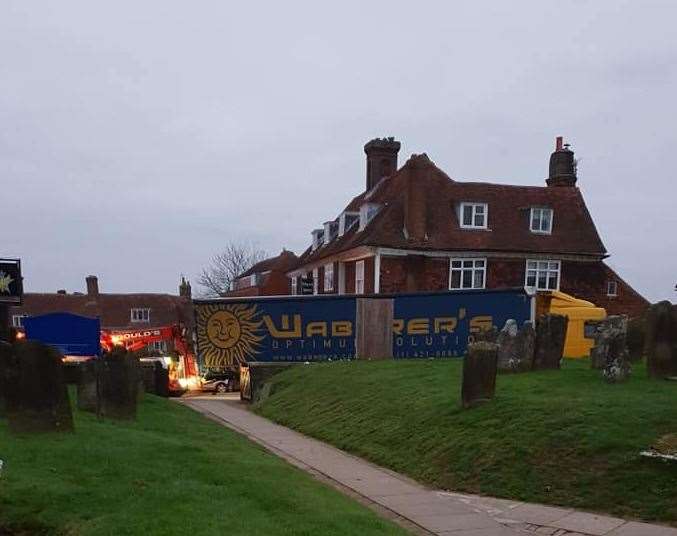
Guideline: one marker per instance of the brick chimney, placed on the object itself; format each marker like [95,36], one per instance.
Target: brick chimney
[184,288]
[381,159]
[92,286]
[562,165]
[418,169]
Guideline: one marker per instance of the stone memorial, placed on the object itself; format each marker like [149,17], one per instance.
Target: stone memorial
[635,339]
[515,347]
[603,332]
[87,387]
[118,385]
[5,353]
[660,346]
[551,331]
[479,374]
[36,395]
[617,367]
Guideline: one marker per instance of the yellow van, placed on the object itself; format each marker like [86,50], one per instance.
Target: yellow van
[578,311]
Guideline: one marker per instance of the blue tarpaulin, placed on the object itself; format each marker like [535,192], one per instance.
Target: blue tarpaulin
[70,334]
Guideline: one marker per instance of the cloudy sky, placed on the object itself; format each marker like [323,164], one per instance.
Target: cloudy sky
[136,138]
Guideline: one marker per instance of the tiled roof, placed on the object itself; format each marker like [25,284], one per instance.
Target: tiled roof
[112,309]
[283,262]
[423,199]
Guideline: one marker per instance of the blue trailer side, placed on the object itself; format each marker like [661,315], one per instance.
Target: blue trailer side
[232,331]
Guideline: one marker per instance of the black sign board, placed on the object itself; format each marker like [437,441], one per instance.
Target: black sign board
[11,282]
[307,285]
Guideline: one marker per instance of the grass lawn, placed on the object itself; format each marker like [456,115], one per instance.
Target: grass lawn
[559,437]
[170,472]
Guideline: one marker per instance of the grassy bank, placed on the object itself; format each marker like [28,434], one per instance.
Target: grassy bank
[559,437]
[171,472]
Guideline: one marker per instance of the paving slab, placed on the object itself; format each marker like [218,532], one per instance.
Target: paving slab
[588,523]
[409,503]
[633,528]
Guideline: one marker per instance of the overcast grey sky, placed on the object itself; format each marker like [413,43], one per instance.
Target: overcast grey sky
[136,138]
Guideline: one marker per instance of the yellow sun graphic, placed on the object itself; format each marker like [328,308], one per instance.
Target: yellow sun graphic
[227,334]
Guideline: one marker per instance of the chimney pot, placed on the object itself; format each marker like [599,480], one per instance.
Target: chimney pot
[92,286]
[562,165]
[558,143]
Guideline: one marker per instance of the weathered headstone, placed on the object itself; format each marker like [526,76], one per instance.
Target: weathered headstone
[515,347]
[479,373]
[635,339]
[118,385]
[87,390]
[35,392]
[617,367]
[603,331]
[551,331]
[5,353]
[661,340]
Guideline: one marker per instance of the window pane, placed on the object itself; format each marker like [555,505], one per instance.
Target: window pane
[479,264]
[542,282]
[479,279]
[546,219]
[531,280]
[531,265]
[552,281]
[467,215]
[455,264]
[479,209]
[554,266]
[467,278]
[467,264]
[536,220]
[455,279]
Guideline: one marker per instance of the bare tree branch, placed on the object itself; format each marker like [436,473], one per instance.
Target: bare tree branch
[224,267]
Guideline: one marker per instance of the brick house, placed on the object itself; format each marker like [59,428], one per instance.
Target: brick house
[265,278]
[416,229]
[115,311]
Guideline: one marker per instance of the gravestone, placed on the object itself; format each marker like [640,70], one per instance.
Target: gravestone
[479,374]
[551,331]
[635,339]
[617,367]
[515,347]
[118,385]
[161,380]
[661,340]
[35,393]
[87,389]
[603,332]
[5,353]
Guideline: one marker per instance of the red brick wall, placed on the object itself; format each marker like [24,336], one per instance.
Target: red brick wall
[413,273]
[276,284]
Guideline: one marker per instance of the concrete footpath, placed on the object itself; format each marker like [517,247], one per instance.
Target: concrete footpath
[410,504]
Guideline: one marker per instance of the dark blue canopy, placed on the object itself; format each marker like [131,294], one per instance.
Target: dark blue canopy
[70,334]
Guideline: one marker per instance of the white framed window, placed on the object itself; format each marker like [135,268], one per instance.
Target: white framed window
[328,277]
[140,314]
[294,285]
[612,287]
[158,346]
[346,221]
[252,280]
[359,277]
[18,321]
[474,215]
[543,274]
[318,237]
[367,213]
[541,220]
[467,273]
[316,281]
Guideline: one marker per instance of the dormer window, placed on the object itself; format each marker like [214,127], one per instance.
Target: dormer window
[346,221]
[474,215]
[140,314]
[612,288]
[318,235]
[367,213]
[541,220]
[329,231]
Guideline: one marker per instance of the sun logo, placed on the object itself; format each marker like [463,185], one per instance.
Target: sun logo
[5,282]
[228,334]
